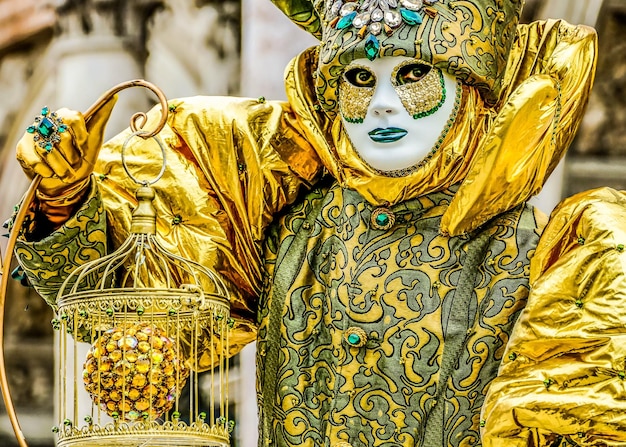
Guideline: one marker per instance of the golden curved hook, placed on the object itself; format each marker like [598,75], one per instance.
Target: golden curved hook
[136,123]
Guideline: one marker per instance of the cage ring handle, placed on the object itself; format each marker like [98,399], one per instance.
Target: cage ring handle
[137,121]
[141,133]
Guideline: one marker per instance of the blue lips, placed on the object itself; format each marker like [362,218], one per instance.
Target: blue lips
[387,135]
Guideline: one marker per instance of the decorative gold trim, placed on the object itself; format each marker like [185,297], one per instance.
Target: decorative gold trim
[141,433]
[424,97]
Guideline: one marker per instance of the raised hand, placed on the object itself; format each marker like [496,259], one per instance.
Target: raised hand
[62,148]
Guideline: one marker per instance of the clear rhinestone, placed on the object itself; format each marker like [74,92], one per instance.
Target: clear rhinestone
[348,8]
[377,15]
[375,28]
[393,18]
[413,5]
[334,10]
[361,19]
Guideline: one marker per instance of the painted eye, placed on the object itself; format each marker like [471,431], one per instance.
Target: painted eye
[360,77]
[410,73]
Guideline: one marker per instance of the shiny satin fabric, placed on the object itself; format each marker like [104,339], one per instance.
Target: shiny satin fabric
[564,368]
[503,155]
[549,76]
[234,163]
[229,171]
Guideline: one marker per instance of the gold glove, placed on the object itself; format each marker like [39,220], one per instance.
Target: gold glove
[62,148]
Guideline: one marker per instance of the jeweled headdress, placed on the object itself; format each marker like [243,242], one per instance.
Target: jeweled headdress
[469,39]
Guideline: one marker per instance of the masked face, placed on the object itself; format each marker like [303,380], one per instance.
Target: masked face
[396,110]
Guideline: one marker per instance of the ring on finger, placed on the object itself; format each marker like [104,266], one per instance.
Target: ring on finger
[46,129]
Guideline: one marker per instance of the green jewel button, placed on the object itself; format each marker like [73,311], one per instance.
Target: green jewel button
[356,337]
[382,218]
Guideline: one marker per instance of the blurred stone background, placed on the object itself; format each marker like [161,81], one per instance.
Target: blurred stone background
[67,52]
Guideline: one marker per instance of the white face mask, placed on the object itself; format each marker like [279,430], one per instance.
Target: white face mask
[395,110]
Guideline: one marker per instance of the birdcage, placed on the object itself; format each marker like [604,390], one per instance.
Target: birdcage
[132,328]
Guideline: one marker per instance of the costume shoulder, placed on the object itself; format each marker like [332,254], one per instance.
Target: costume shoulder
[564,370]
[550,71]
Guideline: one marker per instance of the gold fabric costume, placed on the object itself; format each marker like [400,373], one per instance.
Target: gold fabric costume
[368,336]
[564,371]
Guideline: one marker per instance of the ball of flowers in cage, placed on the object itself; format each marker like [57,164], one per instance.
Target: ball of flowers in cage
[134,371]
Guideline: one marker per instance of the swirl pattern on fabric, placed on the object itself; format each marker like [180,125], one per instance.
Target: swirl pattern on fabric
[404,288]
[81,239]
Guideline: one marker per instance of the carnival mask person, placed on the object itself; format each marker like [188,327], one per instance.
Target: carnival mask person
[373,230]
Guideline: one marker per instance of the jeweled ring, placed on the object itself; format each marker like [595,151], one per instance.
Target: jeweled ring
[46,129]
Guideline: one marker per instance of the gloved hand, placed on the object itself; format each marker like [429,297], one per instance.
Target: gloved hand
[66,168]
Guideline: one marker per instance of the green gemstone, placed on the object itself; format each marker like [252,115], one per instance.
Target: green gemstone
[382,219]
[372,46]
[45,111]
[410,17]
[46,127]
[30,129]
[354,339]
[346,20]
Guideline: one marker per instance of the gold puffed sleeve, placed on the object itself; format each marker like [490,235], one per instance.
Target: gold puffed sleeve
[546,87]
[564,372]
[231,165]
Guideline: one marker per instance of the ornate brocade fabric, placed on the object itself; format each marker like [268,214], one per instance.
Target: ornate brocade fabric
[436,313]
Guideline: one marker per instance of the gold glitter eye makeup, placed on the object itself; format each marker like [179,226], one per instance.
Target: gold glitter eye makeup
[356,90]
[421,88]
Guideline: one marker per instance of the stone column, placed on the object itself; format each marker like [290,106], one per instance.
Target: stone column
[583,12]
[102,43]
[269,41]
